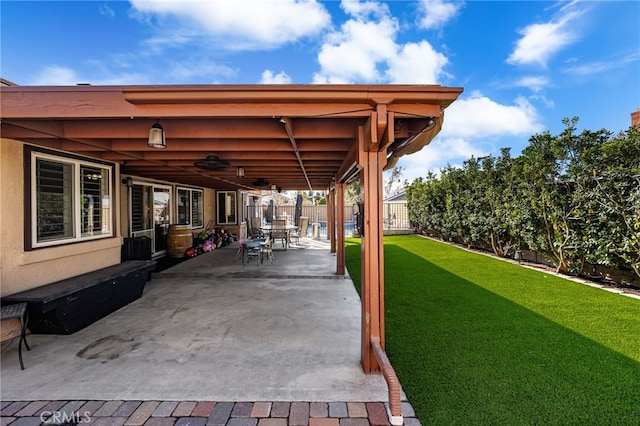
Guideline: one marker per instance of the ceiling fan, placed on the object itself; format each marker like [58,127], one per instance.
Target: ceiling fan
[261,182]
[212,162]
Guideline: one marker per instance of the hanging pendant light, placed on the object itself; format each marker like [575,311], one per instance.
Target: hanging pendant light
[156,136]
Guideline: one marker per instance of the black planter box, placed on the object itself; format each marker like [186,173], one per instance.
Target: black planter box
[67,306]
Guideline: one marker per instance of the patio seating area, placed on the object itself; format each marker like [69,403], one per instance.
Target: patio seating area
[211,329]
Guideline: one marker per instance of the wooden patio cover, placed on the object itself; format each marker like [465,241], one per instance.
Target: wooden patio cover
[297,137]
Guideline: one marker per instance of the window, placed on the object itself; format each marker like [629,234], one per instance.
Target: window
[141,211]
[71,200]
[226,208]
[243,206]
[184,213]
[197,211]
[190,207]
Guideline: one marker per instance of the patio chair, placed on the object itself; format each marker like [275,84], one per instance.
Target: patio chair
[279,232]
[253,227]
[301,231]
[18,310]
[240,252]
[254,252]
[266,251]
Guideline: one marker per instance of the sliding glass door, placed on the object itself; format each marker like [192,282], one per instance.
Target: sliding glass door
[150,214]
[161,217]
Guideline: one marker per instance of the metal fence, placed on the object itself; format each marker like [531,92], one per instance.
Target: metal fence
[395,216]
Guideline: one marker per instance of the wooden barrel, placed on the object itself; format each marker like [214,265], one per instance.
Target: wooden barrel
[179,239]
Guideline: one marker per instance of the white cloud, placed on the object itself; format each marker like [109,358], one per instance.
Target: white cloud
[534,82]
[122,79]
[194,69]
[243,24]
[603,66]
[590,68]
[435,156]
[364,9]
[417,63]
[268,77]
[537,84]
[479,116]
[472,127]
[541,41]
[105,10]
[542,98]
[158,44]
[437,13]
[364,50]
[55,75]
[353,53]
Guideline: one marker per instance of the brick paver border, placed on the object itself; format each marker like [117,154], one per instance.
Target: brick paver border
[201,413]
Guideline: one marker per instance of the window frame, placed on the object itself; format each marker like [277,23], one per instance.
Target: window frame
[32,156]
[225,194]
[199,206]
[191,210]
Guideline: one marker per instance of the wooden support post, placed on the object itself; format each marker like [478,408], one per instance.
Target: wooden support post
[372,163]
[331,219]
[339,202]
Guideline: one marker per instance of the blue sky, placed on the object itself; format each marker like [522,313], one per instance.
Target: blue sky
[524,65]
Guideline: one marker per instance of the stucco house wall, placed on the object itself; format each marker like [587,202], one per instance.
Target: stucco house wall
[21,270]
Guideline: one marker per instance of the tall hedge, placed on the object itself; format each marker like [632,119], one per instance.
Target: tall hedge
[573,197]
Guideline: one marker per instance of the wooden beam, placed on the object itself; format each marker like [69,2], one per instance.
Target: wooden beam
[22,129]
[349,165]
[217,145]
[389,133]
[416,110]
[370,136]
[289,128]
[381,112]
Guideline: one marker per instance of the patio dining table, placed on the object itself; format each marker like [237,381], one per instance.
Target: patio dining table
[287,229]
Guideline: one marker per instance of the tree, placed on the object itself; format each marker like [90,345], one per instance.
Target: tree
[548,171]
[573,197]
[354,192]
[425,204]
[611,187]
[390,187]
[463,204]
[503,203]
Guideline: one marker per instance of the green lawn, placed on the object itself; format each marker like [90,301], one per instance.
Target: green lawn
[479,341]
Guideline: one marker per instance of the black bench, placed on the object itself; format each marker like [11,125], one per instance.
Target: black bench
[66,306]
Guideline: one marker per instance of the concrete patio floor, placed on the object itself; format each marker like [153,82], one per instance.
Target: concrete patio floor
[212,329]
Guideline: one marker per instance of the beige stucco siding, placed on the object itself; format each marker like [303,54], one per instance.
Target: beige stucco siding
[21,270]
